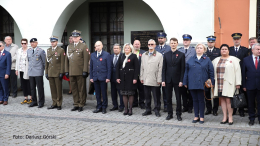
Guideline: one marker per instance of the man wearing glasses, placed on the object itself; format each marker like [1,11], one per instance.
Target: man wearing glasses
[162,48]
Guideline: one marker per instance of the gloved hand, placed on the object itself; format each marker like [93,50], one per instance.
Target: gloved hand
[67,74]
[47,76]
[60,76]
[85,74]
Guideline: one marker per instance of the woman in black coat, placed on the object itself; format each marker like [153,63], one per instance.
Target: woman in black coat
[127,75]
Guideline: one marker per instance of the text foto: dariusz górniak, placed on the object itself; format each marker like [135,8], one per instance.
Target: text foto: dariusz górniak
[34,136]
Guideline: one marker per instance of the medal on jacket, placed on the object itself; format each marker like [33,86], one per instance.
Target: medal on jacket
[69,55]
[55,53]
[128,60]
[100,59]
[37,59]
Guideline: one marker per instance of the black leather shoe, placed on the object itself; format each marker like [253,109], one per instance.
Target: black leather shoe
[52,107]
[224,122]
[58,107]
[146,113]
[157,113]
[80,109]
[190,111]
[142,106]
[104,111]
[207,112]
[165,110]
[169,117]
[125,113]
[97,111]
[179,118]
[120,109]
[75,108]
[251,123]
[130,112]
[215,113]
[242,114]
[114,108]
[40,106]
[230,123]
[184,110]
[33,104]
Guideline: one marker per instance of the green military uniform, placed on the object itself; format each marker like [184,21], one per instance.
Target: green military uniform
[76,62]
[54,68]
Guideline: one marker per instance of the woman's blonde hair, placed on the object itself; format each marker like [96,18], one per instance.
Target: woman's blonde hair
[205,48]
[130,45]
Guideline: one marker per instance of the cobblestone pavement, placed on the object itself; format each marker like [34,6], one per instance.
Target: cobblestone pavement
[21,125]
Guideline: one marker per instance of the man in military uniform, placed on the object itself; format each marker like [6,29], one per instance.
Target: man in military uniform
[76,69]
[240,52]
[189,52]
[162,48]
[36,59]
[212,53]
[54,70]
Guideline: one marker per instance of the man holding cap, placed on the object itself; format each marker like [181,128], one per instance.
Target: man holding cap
[54,70]
[162,48]
[189,52]
[76,69]
[36,59]
[240,52]
[212,53]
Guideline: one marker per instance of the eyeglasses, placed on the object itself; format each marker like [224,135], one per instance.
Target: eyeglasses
[24,43]
[150,44]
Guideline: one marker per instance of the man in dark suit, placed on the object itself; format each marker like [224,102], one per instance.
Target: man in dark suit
[240,52]
[140,87]
[114,90]
[212,53]
[251,82]
[172,77]
[252,41]
[5,69]
[163,48]
[100,74]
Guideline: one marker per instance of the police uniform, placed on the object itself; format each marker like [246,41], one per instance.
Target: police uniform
[163,49]
[36,59]
[212,54]
[186,96]
[76,68]
[240,52]
[54,70]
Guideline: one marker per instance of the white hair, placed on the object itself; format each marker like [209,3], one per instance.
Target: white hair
[256,44]
[3,43]
[8,37]
[130,45]
[204,47]
[152,40]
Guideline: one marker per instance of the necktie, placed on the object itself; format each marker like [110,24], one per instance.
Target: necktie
[33,51]
[98,55]
[115,60]
[186,51]
[150,54]
[161,47]
[256,63]
[236,50]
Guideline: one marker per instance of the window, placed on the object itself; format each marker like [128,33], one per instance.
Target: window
[6,24]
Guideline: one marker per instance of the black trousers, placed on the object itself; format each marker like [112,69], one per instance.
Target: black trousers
[164,97]
[26,85]
[148,97]
[140,100]
[253,95]
[114,93]
[187,101]
[37,82]
[209,103]
[169,87]
[13,83]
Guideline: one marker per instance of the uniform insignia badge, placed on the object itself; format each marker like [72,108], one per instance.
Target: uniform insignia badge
[37,59]
[100,59]
[128,60]
[140,55]
[3,54]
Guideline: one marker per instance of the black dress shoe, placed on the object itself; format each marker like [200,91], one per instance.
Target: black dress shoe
[80,109]
[157,113]
[169,117]
[179,118]
[14,96]
[251,123]
[58,107]
[114,108]
[104,111]
[97,111]
[33,104]
[130,112]
[146,113]
[190,111]
[142,106]
[75,108]
[242,114]
[40,106]
[224,122]
[230,123]
[184,110]
[52,107]
[215,113]
[207,112]
[120,109]
[125,113]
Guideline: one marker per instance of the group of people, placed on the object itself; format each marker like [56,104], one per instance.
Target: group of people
[137,76]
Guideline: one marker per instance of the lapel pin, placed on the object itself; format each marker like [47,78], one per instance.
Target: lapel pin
[100,59]
[140,55]
[230,61]
[3,54]
[128,60]
[177,55]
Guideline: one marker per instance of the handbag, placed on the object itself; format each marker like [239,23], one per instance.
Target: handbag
[239,100]
[208,84]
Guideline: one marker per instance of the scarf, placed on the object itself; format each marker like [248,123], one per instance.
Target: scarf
[126,59]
